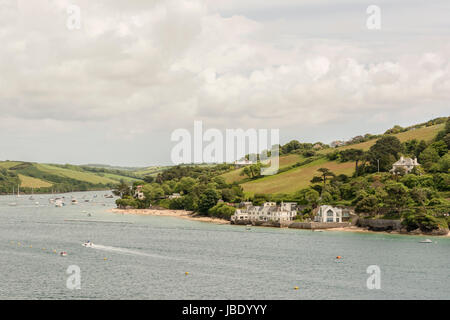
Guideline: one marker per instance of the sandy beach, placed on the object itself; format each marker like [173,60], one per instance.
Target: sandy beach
[183,214]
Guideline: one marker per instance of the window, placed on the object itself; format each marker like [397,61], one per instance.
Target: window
[330,213]
[330,220]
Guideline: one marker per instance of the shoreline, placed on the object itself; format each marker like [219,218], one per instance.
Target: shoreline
[183,214]
[188,215]
[365,230]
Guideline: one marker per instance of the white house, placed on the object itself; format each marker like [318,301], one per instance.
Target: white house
[406,164]
[244,162]
[138,193]
[175,196]
[269,211]
[328,214]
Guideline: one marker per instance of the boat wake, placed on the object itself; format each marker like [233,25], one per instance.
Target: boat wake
[128,251]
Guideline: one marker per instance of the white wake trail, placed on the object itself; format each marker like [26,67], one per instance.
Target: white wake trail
[128,251]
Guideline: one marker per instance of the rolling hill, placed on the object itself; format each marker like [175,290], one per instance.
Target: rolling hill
[48,177]
[299,177]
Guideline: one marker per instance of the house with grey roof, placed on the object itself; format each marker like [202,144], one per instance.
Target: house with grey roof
[407,164]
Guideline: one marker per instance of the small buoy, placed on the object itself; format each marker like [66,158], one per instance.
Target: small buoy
[54,251]
[105,259]
[295,288]
[186,273]
[43,248]
[31,246]
[338,257]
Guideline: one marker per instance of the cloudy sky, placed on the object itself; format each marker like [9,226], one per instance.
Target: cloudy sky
[114,90]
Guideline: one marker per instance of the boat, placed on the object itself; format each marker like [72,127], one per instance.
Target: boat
[59,203]
[426,241]
[74,201]
[88,244]
[248,227]
[109,196]
[63,253]
[12,204]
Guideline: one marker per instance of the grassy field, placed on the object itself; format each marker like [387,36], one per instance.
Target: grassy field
[73,174]
[150,171]
[285,161]
[30,182]
[297,178]
[9,164]
[426,133]
[118,178]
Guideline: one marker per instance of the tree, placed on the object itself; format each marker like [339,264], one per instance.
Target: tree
[252,171]
[397,195]
[312,197]
[368,204]
[428,157]
[325,173]
[185,185]
[149,179]
[384,153]
[122,189]
[208,200]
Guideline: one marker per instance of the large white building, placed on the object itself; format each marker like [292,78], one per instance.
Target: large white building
[329,214]
[269,211]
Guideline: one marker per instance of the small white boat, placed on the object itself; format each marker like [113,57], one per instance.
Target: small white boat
[74,201]
[59,203]
[87,244]
[63,253]
[426,241]
[12,204]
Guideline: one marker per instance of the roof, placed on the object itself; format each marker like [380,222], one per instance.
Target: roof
[406,162]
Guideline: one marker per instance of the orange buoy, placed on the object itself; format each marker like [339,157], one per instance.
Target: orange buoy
[338,257]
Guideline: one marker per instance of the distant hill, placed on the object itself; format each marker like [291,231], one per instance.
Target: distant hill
[63,178]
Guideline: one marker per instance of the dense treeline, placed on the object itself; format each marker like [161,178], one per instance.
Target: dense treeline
[197,189]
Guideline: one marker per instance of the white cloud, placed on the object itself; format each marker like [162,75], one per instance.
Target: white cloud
[136,71]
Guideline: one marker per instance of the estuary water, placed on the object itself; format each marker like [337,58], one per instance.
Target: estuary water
[145,257]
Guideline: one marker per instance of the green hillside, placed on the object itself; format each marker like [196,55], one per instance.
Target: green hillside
[300,177]
[50,177]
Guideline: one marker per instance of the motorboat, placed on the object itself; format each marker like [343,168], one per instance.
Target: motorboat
[426,241]
[74,201]
[59,203]
[88,244]
[12,204]
[63,253]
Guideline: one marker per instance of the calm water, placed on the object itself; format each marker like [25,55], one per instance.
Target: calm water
[147,257]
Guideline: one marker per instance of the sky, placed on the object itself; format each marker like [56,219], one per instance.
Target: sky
[114,90]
